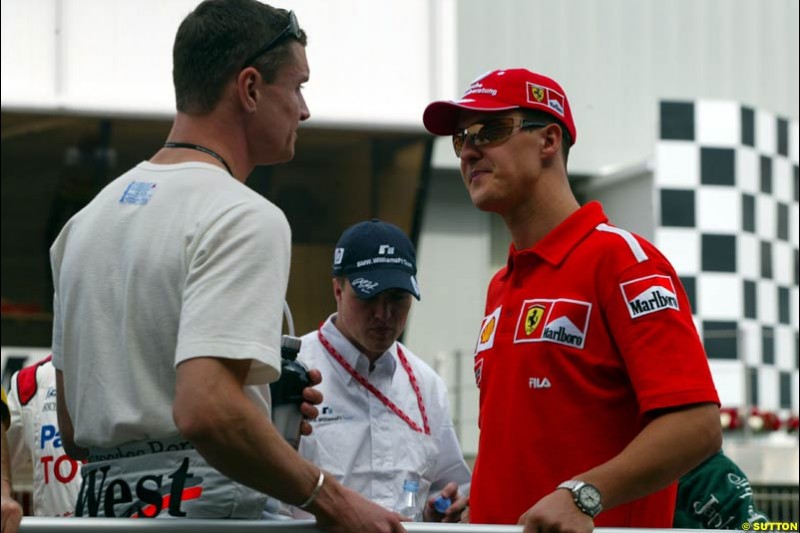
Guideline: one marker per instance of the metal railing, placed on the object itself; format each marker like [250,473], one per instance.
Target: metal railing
[781,503]
[127,525]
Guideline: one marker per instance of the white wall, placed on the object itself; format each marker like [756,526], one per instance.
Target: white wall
[89,55]
[629,203]
[372,63]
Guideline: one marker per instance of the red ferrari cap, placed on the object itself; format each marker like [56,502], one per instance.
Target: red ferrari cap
[501,90]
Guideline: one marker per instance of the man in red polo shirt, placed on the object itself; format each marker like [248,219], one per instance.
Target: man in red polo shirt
[595,392]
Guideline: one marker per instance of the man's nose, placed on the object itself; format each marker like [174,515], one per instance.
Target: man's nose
[383,308]
[469,151]
[305,114]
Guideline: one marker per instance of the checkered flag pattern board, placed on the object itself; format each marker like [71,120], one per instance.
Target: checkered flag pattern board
[726,186]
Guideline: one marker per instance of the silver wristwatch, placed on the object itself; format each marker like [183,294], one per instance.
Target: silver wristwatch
[586,496]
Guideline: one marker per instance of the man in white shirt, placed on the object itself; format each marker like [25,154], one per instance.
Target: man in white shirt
[169,290]
[385,416]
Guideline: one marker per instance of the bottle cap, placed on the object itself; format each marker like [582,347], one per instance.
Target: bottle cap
[442,504]
[411,485]
[290,346]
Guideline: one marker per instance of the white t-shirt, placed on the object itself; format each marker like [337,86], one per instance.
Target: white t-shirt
[35,442]
[366,445]
[167,263]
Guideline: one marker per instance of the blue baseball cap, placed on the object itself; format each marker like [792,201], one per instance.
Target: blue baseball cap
[376,256]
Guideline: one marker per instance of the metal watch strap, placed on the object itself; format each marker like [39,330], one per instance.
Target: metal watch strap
[575,486]
[571,485]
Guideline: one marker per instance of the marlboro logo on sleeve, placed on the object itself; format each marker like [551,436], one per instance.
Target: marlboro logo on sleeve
[650,294]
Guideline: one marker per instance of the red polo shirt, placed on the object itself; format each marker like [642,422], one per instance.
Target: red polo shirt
[584,334]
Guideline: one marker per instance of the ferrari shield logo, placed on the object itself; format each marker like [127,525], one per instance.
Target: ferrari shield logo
[533,317]
[537,92]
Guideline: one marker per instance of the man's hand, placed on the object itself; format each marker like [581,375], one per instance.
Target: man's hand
[465,513]
[556,512]
[452,513]
[355,513]
[312,398]
[10,510]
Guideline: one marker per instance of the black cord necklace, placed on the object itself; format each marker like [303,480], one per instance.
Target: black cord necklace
[208,151]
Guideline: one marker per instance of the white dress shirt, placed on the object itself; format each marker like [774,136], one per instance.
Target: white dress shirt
[362,442]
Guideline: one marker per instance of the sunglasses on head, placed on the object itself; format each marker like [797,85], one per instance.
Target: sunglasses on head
[491,132]
[291,30]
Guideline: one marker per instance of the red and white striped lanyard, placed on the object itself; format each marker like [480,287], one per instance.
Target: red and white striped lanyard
[378,394]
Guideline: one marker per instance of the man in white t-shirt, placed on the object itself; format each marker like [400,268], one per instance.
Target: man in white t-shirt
[169,290]
[385,418]
[35,441]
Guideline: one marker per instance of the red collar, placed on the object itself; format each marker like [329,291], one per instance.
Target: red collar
[556,245]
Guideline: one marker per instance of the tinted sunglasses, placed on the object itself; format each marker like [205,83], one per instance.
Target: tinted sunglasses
[492,132]
[291,30]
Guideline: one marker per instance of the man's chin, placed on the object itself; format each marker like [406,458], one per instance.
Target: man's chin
[283,156]
[489,205]
[382,344]
[287,155]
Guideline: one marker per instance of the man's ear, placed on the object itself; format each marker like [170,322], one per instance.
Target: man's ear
[247,83]
[338,288]
[552,137]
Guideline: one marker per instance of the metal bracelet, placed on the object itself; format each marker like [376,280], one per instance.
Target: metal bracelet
[314,492]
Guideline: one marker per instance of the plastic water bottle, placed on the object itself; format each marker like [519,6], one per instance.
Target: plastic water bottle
[287,392]
[408,503]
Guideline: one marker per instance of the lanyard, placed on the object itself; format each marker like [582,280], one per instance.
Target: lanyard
[207,151]
[378,394]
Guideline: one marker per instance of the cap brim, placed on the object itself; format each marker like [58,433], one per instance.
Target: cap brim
[370,283]
[441,118]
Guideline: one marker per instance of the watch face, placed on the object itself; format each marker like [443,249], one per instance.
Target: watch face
[589,496]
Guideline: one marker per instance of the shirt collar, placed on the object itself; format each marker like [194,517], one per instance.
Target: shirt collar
[386,363]
[558,244]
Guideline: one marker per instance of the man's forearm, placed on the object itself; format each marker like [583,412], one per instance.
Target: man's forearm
[236,438]
[668,447]
[249,450]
